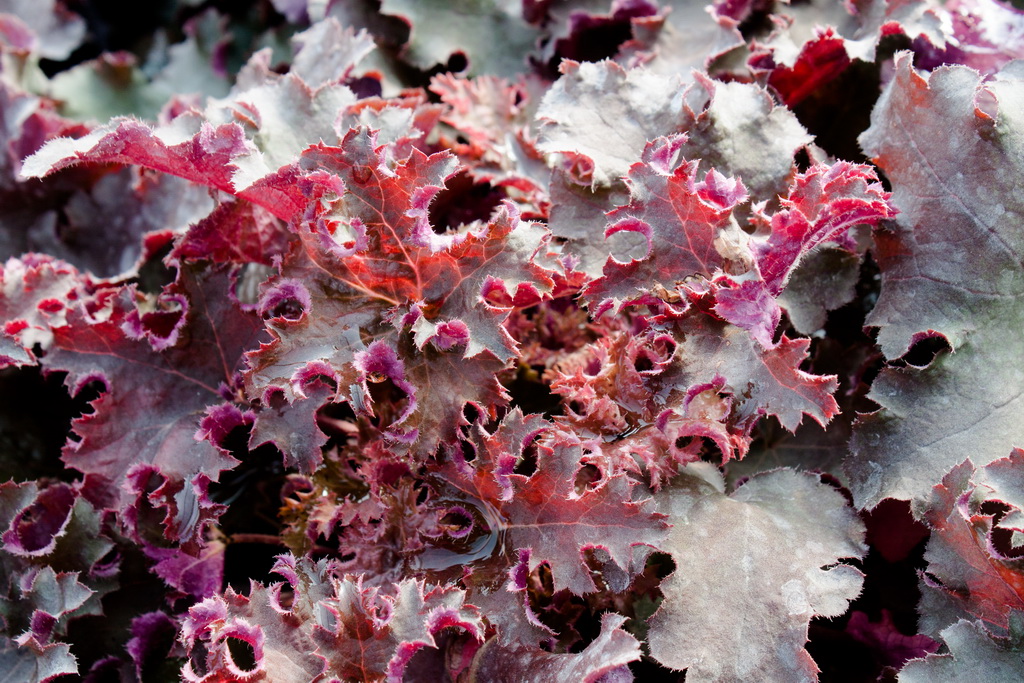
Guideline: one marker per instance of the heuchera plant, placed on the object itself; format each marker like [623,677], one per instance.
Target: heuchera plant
[471,340]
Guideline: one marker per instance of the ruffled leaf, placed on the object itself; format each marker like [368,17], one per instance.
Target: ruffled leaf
[158,380]
[377,295]
[543,513]
[332,627]
[683,218]
[971,552]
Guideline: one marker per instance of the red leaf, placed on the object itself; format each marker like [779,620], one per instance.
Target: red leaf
[153,400]
[236,232]
[36,293]
[823,204]
[545,514]
[374,267]
[981,575]
[681,218]
[821,60]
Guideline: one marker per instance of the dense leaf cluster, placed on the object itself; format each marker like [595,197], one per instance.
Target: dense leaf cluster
[473,341]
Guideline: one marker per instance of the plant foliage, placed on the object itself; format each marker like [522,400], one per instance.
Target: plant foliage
[476,341]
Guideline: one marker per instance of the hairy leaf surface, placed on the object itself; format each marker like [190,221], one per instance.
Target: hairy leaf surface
[752,569]
[951,266]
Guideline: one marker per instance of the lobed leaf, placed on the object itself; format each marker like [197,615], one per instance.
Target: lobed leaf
[969,559]
[155,391]
[603,659]
[973,652]
[545,514]
[768,561]
[328,626]
[951,269]
[440,28]
[600,117]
